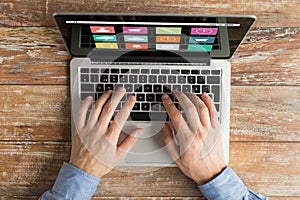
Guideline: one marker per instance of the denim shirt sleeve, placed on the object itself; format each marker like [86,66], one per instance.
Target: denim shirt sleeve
[228,185]
[72,183]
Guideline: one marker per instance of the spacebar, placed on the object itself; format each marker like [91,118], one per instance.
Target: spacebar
[148,116]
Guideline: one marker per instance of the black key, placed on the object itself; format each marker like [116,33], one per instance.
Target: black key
[138,88]
[216,91]
[154,71]
[205,88]
[142,78]
[162,79]
[118,106]
[136,106]
[200,79]
[186,88]
[155,106]
[113,78]
[85,95]
[100,88]
[128,87]
[146,106]
[145,71]
[185,71]
[115,70]
[84,70]
[217,107]
[213,80]
[172,79]
[157,88]
[123,78]
[135,71]
[109,86]
[95,70]
[106,71]
[123,71]
[215,72]
[176,88]
[149,97]
[181,79]
[195,71]
[133,79]
[166,89]
[117,86]
[148,116]
[140,97]
[158,97]
[205,72]
[192,79]
[104,78]
[87,87]
[84,78]
[196,88]
[165,71]
[147,88]
[152,79]
[175,71]
[94,78]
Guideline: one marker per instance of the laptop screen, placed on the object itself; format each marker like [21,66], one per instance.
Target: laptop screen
[191,36]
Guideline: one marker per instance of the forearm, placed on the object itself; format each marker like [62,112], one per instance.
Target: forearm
[72,183]
[228,185]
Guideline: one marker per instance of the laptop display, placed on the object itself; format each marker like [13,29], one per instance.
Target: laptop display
[192,36]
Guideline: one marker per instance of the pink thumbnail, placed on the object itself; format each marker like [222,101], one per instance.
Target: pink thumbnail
[135,30]
[204,31]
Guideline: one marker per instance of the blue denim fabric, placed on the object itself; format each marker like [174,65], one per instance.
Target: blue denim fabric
[72,183]
[228,185]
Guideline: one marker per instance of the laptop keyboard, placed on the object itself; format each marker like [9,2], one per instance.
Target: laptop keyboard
[148,85]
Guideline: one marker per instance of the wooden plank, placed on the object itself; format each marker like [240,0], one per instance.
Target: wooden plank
[43,113]
[38,13]
[139,198]
[269,168]
[268,56]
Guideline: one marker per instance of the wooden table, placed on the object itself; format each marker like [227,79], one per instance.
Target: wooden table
[35,100]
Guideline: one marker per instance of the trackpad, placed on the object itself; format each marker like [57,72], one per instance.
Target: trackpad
[150,148]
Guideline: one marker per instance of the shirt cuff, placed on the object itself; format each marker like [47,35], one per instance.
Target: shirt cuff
[226,185]
[73,183]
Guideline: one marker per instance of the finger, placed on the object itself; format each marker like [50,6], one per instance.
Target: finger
[211,109]
[120,119]
[81,118]
[94,116]
[110,106]
[189,109]
[169,139]
[126,145]
[201,109]
[176,118]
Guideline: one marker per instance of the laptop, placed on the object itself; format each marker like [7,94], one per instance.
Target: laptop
[152,54]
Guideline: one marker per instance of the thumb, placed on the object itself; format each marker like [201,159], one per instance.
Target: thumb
[127,144]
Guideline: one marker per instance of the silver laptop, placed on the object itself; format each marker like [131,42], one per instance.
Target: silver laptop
[150,55]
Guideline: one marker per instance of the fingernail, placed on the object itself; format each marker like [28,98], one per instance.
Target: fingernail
[89,98]
[165,97]
[205,94]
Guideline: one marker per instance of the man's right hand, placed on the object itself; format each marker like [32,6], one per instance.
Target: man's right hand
[185,140]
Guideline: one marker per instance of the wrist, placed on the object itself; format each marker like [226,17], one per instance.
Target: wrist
[203,179]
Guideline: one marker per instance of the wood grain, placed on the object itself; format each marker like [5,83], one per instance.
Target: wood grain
[268,56]
[38,13]
[42,113]
[25,166]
